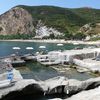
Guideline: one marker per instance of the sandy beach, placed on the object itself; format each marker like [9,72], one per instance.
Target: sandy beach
[57,41]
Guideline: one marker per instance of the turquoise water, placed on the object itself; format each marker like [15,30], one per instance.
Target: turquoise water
[40,72]
[6,47]
[36,70]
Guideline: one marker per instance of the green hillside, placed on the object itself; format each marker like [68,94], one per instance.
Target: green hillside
[90,14]
[64,19]
[27,22]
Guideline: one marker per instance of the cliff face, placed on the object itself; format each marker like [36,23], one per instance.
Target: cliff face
[42,30]
[16,20]
[31,87]
[91,29]
[45,20]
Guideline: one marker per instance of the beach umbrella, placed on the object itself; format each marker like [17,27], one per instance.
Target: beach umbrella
[16,48]
[42,47]
[59,44]
[29,48]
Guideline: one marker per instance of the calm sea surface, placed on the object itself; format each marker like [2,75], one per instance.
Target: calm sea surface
[6,47]
[36,70]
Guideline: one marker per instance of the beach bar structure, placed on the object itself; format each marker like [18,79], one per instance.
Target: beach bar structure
[52,58]
[67,56]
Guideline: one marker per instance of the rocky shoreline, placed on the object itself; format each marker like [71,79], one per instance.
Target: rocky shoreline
[57,41]
[60,84]
[57,85]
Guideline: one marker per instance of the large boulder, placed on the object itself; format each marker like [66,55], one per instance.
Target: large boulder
[22,87]
[54,85]
[17,20]
[75,86]
[93,94]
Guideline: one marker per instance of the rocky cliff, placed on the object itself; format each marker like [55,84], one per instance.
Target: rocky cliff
[19,21]
[43,31]
[16,20]
[45,20]
[91,28]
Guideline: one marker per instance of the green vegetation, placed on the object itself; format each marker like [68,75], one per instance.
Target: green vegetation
[64,19]
[79,36]
[16,36]
[90,14]
[67,36]
[52,36]
[95,38]
[56,17]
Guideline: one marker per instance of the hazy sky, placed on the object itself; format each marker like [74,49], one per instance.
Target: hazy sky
[7,4]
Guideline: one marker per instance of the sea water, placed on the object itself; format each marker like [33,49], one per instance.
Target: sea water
[35,70]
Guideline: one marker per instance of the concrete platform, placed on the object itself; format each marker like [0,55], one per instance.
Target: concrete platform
[90,64]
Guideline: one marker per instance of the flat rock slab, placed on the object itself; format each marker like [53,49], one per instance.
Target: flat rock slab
[74,86]
[93,94]
[17,87]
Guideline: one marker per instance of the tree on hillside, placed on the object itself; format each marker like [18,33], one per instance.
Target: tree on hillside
[68,36]
[79,36]
[52,36]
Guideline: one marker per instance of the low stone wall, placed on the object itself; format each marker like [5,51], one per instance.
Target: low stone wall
[89,65]
[85,56]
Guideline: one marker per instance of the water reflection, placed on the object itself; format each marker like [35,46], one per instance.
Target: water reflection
[40,72]
[6,47]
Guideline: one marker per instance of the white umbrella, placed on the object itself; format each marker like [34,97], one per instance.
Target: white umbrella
[29,48]
[59,44]
[42,47]
[16,48]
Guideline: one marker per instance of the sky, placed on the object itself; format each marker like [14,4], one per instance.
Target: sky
[5,5]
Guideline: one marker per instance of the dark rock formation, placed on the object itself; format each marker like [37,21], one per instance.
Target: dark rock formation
[75,86]
[52,86]
[29,90]
[19,21]
[91,28]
